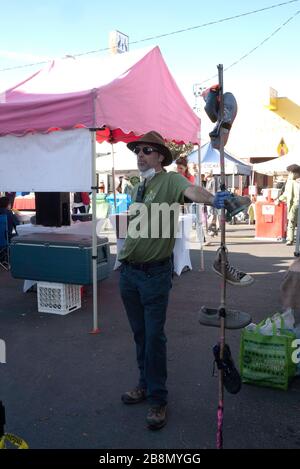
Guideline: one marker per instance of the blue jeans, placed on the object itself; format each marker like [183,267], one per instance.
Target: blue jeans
[145,296]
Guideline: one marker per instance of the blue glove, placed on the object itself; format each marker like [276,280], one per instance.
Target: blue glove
[220,197]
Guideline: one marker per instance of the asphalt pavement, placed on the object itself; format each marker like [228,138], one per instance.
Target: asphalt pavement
[61,385]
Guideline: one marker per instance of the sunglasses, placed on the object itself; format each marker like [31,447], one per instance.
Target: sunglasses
[145,150]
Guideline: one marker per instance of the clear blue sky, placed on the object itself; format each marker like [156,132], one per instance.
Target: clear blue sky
[54,28]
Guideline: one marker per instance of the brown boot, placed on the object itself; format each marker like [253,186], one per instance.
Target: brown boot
[135,396]
[157,417]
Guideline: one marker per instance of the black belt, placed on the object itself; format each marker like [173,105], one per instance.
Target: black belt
[147,265]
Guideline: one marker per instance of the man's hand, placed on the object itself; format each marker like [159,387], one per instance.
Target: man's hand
[220,197]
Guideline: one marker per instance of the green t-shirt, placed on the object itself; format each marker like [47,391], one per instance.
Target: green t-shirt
[153,224]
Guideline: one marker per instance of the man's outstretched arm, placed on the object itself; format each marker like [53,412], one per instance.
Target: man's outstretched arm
[200,195]
[222,199]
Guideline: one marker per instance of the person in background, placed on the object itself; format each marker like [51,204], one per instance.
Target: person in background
[85,197]
[101,187]
[210,182]
[193,169]
[182,168]
[251,211]
[291,197]
[279,184]
[119,187]
[12,220]
[212,214]
[11,196]
[78,205]
[127,187]
[245,190]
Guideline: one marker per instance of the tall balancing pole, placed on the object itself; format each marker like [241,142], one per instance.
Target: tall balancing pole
[225,107]
[222,308]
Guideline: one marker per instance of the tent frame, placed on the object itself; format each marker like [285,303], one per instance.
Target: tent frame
[94,189]
[94,118]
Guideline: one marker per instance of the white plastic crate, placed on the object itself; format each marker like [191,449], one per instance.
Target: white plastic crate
[58,298]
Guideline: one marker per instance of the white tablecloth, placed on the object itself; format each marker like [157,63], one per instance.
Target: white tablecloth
[181,251]
[78,228]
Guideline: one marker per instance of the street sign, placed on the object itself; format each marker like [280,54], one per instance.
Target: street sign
[282,148]
[118,42]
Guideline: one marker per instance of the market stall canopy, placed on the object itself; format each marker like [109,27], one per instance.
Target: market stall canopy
[210,160]
[277,166]
[45,141]
[129,94]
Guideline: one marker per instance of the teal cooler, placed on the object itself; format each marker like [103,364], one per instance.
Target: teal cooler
[62,258]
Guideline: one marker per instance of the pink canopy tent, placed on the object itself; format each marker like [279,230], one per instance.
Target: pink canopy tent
[129,94]
[117,98]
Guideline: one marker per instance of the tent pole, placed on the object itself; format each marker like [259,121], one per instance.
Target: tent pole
[114,176]
[199,160]
[232,190]
[199,208]
[95,329]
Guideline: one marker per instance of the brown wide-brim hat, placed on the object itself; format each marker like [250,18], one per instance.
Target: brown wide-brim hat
[154,139]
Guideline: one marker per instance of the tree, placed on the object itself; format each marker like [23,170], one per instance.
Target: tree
[180,150]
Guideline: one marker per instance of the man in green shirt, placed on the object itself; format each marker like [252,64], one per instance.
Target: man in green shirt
[146,271]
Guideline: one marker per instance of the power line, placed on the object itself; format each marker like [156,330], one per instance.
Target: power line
[179,31]
[203,25]
[23,66]
[254,48]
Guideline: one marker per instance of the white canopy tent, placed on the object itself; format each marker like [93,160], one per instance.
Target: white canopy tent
[277,166]
[210,161]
